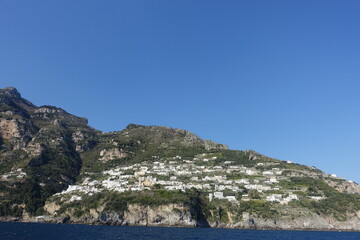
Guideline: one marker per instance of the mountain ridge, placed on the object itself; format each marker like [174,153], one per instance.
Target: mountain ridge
[54,164]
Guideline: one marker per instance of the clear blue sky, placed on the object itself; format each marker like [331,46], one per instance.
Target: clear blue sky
[279,77]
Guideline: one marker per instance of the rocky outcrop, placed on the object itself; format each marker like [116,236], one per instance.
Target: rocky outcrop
[181,216]
[163,215]
[111,154]
[172,138]
[49,109]
[345,186]
[138,215]
[17,131]
[51,207]
[210,145]
[84,140]
[252,155]
[10,128]
[310,222]
[11,98]
[10,93]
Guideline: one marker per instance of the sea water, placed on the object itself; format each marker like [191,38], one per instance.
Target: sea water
[39,231]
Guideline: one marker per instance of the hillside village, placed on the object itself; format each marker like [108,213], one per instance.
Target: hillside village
[54,164]
[226,181]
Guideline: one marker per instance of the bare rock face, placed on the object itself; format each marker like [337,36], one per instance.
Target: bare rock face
[172,215]
[210,145]
[51,207]
[192,139]
[10,128]
[136,215]
[83,140]
[111,154]
[163,215]
[11,97]
[345,187]
[78,136]
[45,109]
[308,222]
[11,92]
[140,215]
[16,131]
[111,218]
[34,148]
[60,115]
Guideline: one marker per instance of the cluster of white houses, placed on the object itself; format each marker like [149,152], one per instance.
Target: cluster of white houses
[221,181]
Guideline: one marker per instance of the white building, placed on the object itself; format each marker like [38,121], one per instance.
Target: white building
[219,195]
[274,198]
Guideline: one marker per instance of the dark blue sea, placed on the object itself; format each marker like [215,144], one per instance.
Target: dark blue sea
[38,231]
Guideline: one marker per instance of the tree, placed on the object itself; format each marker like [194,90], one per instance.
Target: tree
[254,194]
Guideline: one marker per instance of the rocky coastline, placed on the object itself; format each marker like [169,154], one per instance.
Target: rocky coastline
[166,216]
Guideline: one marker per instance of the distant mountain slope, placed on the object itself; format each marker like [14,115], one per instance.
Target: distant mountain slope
[54,167]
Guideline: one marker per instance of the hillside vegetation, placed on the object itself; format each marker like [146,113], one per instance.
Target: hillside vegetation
[53,165]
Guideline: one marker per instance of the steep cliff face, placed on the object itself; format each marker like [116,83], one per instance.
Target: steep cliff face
[135,215]
[39,142]
[138,215]
[183,216]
